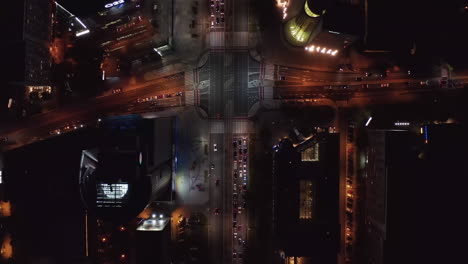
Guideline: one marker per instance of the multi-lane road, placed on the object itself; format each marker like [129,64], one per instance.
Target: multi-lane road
[38,127]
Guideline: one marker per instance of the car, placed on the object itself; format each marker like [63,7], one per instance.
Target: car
[234,215]
[216,211]
[384,85]
[217,182]
[244,205]
[55,132]
[234,144]
[234,253]
[235,175]
[234,224]
[245,151]
[282,78]
[212,166]
[215,147]
[3,139]
[244,188]
[358,79]
[350,200]
[235,154]
[245,159]
[349,191]
[349,205]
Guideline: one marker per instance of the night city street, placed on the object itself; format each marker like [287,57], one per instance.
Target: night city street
[233,131]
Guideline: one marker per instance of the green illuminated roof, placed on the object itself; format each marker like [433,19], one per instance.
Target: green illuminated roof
[309,11]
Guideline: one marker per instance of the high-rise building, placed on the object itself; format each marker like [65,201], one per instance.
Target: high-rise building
[27,33]
[306,193]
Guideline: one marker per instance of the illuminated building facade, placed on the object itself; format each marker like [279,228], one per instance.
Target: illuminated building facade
[27,31]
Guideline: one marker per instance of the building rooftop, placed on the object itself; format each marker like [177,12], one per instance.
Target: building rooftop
[307,199]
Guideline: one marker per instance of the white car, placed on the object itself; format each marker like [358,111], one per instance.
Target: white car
[215,147]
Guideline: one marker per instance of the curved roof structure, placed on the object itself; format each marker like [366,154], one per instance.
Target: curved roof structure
[301,29]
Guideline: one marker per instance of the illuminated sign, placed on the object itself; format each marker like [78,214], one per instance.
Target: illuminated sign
[109,5]
[111,195]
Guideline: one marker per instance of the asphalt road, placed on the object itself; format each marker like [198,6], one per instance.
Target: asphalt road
[37,127]
[216,198]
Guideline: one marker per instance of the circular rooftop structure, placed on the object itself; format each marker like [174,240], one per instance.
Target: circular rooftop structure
[303,28]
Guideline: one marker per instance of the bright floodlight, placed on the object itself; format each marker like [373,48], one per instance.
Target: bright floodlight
[160,216]
[82,32]
[153,216]
[368,121]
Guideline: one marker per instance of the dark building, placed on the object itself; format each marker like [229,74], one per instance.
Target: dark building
[306,200]
[323,26]
[27,25]
[408,195]
[153,246]
[129,168]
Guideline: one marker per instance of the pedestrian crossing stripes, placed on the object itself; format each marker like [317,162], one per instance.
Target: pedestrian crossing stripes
[269,72]
[216,39]
[190,98]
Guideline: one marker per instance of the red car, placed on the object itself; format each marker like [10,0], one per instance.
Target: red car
[216,211]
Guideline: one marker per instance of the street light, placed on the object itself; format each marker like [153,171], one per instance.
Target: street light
[368,121]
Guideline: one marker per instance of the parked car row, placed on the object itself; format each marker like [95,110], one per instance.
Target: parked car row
[217,13]
[350,191]
[67,128]
[239,181]
[156,97]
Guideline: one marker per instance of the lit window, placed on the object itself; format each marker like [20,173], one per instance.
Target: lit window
[305,199]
